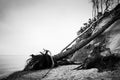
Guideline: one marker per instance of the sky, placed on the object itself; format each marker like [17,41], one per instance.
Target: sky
[28,26]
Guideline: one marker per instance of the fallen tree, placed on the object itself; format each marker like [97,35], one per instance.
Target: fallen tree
[51,61]
[44,60]
[112,16]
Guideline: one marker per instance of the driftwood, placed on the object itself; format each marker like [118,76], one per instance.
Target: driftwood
[112,16]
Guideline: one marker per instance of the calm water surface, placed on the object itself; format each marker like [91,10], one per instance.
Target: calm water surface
[11,63]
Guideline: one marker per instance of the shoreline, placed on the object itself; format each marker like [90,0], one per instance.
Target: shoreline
[3,76]
[65,73]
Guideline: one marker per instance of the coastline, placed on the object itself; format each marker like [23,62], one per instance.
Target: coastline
[3,76]
[66,73]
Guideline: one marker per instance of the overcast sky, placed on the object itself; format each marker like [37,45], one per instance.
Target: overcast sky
[28,26]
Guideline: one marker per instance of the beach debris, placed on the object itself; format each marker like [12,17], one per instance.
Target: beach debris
[41,61]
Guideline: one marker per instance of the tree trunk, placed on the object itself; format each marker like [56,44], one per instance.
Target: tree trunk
[115,17]
[97,6]
[94,8]
[101,6]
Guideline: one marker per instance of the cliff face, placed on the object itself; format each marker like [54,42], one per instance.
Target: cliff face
[113,36]
[110,38]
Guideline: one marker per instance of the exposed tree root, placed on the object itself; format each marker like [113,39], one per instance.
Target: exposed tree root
[102,63]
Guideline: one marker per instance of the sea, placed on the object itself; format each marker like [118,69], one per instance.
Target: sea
[12,63]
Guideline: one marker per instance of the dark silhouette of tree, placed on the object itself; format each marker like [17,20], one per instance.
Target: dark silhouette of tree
[94,7]
[102,6]
[97,6]
[107,4]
